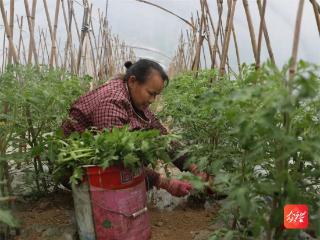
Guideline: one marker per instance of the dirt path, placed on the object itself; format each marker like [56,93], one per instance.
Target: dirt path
[178,224]
[52,218]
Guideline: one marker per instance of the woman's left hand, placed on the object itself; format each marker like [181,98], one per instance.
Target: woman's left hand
[193,168]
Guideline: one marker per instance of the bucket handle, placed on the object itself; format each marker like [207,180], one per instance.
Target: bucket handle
[133,215]
[139,212]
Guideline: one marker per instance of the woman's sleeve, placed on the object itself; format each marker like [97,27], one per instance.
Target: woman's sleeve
[152,178]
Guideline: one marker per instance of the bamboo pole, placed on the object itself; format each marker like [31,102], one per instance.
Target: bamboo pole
[6,57]
[24,52]
[296,38]
[231,11]
[235,44]
[20,34]
[47,17]
[316,14]
[260,32]
[32,44]
[75,20]
[98,38]
[209,42]
[211,48]
[207,26]
[317,5]
[204,58]
[21,41]
[83,35]
[96,45]
[236,48]
[59,53]
[8,33]
[168,11]
[32,41]
[216,45]
[103,48]
[46,47]
[11,28]
[196,61]
[40,42]
[91,46]
[3,51]
[42,47]
[64,15]
[222,38]
[72,62]
[266,35]
[53,55]
[68,34]
[251,30]
[84,57]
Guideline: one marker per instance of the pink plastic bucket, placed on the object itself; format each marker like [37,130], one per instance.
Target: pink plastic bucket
[119,213]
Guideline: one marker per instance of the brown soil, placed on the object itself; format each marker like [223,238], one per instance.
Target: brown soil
[178,224]
[55,210]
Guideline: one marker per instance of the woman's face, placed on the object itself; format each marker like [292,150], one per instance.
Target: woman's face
[142,95]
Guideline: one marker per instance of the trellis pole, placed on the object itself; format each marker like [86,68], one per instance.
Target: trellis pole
[231,11]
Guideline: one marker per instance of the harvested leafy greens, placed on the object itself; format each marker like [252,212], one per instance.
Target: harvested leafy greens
[109,148]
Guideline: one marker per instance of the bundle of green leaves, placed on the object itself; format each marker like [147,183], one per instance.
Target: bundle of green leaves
[133,149]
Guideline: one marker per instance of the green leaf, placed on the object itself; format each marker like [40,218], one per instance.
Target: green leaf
[130,160]
[7,218]
[144,146]
[77,175]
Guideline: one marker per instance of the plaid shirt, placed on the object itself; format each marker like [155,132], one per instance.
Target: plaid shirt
[110,106]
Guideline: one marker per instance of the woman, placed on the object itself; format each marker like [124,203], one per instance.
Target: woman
[126,100]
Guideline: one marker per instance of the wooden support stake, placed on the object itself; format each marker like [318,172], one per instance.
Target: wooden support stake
[316,13]
[11,28]
[20,35]
[32,44]
[266,35]
[8,33]
[53,55]
[251,30]
[231,11]
[296,39]
[216,45]
[83,35]
[48,17]
[31,33]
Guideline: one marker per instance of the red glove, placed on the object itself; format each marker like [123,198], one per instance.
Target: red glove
[193,168]
[175,187]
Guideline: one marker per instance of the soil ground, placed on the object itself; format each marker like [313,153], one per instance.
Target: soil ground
[38,217]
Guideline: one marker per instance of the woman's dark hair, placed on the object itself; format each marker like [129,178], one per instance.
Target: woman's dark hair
[142,70]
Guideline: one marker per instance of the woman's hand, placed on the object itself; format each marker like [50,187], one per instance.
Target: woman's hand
[175,187]
[193,168]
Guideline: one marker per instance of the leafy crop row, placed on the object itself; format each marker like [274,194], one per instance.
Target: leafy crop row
[259,135]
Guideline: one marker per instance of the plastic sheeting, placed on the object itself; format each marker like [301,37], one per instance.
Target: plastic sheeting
[154,33]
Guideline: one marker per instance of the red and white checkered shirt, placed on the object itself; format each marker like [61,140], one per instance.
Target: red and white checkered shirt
[110,106]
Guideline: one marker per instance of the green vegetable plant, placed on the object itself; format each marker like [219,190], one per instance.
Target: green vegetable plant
[33,103]
[259,135]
